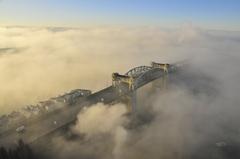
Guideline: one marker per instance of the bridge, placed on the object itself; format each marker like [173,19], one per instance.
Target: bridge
[124,89]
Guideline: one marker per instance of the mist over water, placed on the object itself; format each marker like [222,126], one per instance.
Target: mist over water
[196,117]
[191,119]
[38,63]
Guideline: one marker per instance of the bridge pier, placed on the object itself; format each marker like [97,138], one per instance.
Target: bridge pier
[132,102]
[136,77]
[161,83]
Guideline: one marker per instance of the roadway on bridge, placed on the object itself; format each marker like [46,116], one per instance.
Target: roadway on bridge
[51,122]
[35,130]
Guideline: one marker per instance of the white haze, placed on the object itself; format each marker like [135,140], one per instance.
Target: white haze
[95,120]
[184,124]
[37,63]
[103,130]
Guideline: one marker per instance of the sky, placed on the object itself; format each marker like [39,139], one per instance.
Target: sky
[214,14]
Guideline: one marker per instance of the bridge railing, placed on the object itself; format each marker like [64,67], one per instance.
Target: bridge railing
[135,75]
[117,79]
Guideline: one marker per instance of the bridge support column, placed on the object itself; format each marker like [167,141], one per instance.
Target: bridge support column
[161,83]
[132,102]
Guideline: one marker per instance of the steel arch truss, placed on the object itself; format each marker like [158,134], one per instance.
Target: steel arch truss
[137,71]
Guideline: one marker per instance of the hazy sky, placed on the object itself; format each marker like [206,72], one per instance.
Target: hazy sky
[214,14]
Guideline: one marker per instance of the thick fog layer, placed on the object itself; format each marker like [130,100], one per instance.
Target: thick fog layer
[196,117]
[38,63]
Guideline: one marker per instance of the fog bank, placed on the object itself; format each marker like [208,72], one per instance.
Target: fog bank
[38,63]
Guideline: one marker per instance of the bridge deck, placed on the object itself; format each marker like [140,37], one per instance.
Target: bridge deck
[50,123]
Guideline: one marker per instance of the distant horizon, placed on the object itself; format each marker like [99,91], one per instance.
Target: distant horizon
[214,14]
[120,26]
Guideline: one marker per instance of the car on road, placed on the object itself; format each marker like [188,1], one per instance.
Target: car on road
[20,129]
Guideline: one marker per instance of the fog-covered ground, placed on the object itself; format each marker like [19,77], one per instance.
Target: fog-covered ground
[196,117]
[38,63]
[192,119]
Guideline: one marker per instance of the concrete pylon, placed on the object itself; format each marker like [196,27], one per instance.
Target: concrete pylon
[132,102]
[161,83]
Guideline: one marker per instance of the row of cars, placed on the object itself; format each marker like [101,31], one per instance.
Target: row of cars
[44,107]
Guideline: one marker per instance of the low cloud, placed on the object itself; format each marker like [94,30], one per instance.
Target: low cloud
[102,130]
[196,117]
[100,119]
[50,61]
